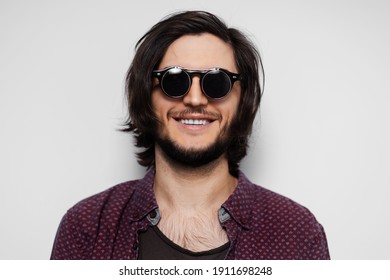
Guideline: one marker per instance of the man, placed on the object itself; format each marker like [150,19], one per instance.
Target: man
[193,92]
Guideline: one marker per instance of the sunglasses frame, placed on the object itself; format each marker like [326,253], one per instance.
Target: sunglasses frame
[160,74]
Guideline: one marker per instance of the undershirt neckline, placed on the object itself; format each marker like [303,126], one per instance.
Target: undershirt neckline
[175,246]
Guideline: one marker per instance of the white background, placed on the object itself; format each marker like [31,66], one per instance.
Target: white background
[322,137]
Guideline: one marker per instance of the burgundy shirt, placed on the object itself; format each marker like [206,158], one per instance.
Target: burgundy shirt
[260,224]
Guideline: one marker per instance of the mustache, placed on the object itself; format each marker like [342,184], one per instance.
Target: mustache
[189,111]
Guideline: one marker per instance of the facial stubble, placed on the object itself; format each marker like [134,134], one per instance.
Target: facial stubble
[189,157]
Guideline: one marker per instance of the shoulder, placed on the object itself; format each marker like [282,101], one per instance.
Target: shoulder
[110,202]
[272,206]
[108,207]
[116,195]
[80,226]
[275,212]
[279,222]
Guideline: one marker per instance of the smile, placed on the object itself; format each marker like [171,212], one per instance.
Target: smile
[194,121]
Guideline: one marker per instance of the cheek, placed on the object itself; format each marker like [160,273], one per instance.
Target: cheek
[231,106]
[161,104]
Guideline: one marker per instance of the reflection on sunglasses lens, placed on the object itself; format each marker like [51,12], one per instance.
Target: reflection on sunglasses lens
[176,83]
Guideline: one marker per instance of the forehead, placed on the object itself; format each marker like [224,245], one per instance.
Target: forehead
[199,51]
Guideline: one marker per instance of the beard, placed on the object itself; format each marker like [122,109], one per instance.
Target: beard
[193,157]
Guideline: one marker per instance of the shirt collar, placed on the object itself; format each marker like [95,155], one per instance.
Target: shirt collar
[143,200]
[239,204]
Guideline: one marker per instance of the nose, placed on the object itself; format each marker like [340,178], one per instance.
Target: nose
[195,96]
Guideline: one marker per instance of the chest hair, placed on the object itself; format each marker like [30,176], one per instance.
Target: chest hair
[199,231]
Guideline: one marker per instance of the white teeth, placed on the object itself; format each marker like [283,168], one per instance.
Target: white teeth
[194,122]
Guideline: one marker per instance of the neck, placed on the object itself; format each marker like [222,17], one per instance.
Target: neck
[189,199]
[190,189]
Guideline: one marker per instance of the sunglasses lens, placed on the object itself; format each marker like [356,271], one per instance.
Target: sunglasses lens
[216,84]
[175,82]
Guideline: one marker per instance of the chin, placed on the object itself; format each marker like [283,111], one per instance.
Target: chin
[192,156]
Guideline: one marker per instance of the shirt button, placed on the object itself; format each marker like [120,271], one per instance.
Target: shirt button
[153,215]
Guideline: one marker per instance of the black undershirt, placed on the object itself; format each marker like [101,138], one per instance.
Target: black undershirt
[154,245]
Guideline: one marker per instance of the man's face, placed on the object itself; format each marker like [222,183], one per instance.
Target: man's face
[195,126]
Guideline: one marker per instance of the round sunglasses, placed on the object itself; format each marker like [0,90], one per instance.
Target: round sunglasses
[176,81]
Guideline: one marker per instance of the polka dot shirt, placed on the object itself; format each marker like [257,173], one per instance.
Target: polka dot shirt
[260,224]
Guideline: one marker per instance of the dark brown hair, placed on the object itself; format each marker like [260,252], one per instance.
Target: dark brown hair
[150,50]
